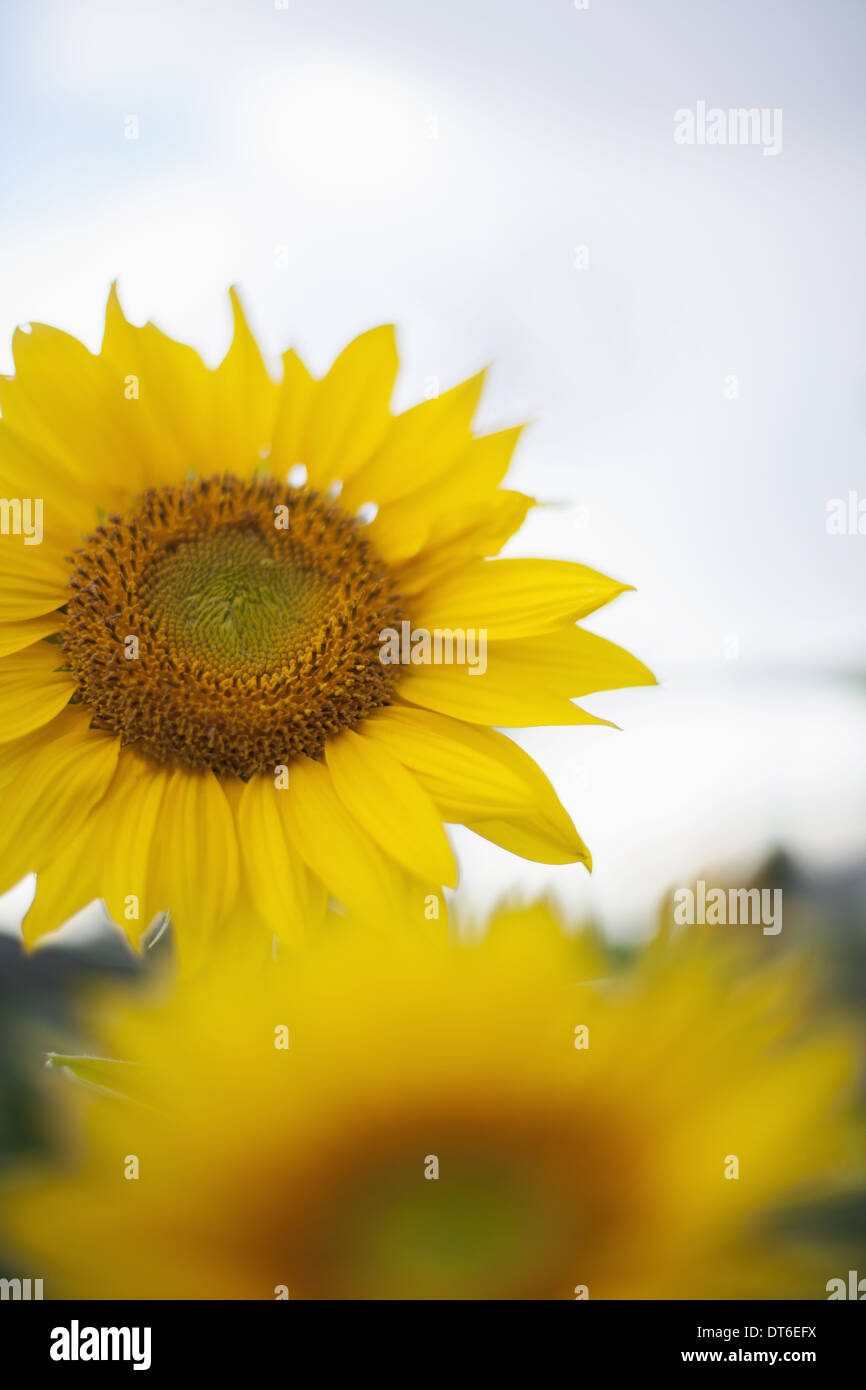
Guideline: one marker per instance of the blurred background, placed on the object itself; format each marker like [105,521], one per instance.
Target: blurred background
[683,325]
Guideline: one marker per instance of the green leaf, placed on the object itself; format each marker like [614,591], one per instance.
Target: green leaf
[101,1073]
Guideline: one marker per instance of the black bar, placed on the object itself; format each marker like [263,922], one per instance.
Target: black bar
[245,1338]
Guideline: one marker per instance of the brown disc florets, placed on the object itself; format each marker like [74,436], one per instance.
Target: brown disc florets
[229,624]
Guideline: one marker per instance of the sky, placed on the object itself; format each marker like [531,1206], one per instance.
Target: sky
[682,325]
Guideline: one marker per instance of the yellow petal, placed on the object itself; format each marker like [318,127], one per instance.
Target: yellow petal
[348,416]
[336,848]
[67,405]
[420,446]
[545,832]
[466,770]
[295,396]
[51,797]
[130,815]
[422,552]
[290,898]
[398,538]
[67,884]
[245,402]
[515,598]
[529,680]
[14,637]
[16,753]
[65,491]
[33,580]
[389,803]
[536,838]
[480,778]
[441,508]
[168,396]
[32,690]
[195,860]
[509,693]
[478,472]
[578,662]
[484,529]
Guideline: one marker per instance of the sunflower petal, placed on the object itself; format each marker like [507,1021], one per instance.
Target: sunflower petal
[67,883]
[51,797]
[535,837]
[483,532]
[68,510]
[515,598]
[510,694]
[245,400]
[33,582]
[528,680]
[168,418]
[287,895]
[420,446]
[432,513]
[482,779]
[581,662]
[32,690]
[67,405]
[545,832]
[391,806]
[336,848]
[296,394]
[348,415]
[14,637]
[130,813]
[16,753]
[460,765]
[196,860]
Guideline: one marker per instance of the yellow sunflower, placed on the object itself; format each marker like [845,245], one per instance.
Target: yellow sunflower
[493,1121]
[198,571]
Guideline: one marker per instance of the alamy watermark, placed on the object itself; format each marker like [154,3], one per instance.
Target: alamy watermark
[23,1290]
[443,646]
[846,516]
[22,516]
[720,907]
[854,1287]
[733,125]
[77,1343]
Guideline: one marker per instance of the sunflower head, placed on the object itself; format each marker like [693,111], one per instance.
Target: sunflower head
[505,1120]
[194,706]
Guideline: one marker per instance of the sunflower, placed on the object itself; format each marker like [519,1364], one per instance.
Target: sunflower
[466,1121]
[198,568]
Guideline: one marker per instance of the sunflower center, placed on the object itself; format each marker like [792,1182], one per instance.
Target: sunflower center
[230,601]
[413,1200]
[230,625]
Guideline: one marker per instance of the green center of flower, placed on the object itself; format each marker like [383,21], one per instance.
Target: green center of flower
[234,602]
[414,1200]
[481,1220]
[230,625]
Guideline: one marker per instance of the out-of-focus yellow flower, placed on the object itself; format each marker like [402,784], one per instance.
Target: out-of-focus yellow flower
[254,641]
[476,1121]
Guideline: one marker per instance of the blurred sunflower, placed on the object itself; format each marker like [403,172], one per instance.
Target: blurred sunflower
[453,1122]
[195,631]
